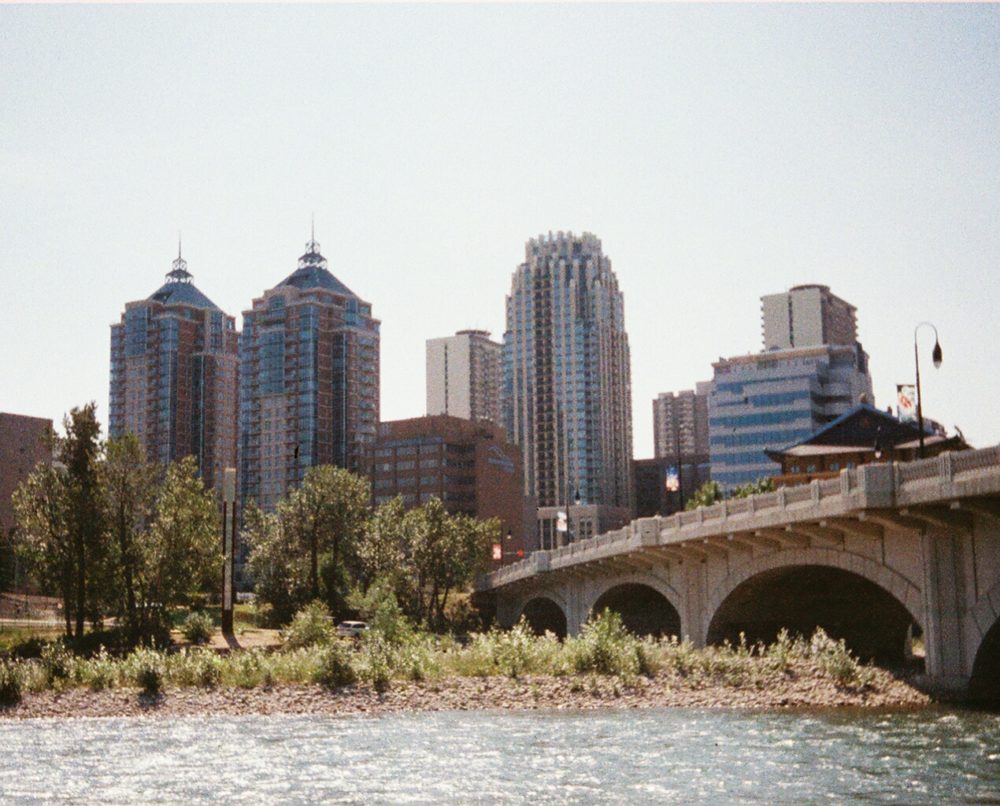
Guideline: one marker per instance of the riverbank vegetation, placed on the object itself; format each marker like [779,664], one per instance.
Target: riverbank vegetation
[393,653]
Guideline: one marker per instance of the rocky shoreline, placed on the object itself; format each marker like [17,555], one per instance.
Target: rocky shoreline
[465,693]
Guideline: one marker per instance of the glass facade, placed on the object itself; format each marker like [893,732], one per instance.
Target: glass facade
[566,373]
[774,399]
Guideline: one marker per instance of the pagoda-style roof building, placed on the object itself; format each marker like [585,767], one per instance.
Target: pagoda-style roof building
[858,437]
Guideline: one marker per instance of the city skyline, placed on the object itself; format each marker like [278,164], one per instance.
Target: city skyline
[722,154]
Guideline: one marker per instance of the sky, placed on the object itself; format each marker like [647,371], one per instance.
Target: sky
[720,152]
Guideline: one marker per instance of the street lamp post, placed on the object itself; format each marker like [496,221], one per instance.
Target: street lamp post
[936,358]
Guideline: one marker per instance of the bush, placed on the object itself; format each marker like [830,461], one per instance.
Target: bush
[11,683]
[197,668]
[834,658]
[100,672]
[147,670]
[378,661]
[57,663]
[334,666]
[606,647]
[198,627]
[313,624]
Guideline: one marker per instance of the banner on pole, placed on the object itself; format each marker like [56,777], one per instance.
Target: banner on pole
[672,480]
[906,402]
[562,524]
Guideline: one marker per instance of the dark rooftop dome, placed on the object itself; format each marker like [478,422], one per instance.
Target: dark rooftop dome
[179,290]
[312,273]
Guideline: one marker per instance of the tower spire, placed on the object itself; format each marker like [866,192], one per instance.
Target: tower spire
[179,268]
[312,248]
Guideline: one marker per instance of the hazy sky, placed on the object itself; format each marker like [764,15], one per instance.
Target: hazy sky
[720,153]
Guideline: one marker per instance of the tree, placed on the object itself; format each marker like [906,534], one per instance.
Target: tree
[709,493]
[42,535]
[129,486]
[765,484]
[382,553]
[181,552]
[80,452]
[308,550]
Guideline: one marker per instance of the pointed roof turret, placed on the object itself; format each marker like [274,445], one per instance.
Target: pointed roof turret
[312,271]
[178,289]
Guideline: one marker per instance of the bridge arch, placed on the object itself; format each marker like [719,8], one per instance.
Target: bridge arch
[647,604]
[984,621]
[544,612]
[782,589]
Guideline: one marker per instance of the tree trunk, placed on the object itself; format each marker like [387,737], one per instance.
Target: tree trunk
[314,564]
[67,595]
[81,582]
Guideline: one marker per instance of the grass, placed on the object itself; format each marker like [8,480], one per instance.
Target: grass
[603,650]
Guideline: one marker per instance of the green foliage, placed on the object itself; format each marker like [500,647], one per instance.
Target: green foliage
[380,609]
[100,672]
[11,682]
[57,663]
[313,624]
[147,670]
[765,484]
[378,660]
[606,647]
[307,549]
[709,493]
[834,659]
[197,667]
[198,627]
[334,667]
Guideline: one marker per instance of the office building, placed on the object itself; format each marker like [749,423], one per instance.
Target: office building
[309,381]
[174,366]
[680,422]
[567,384]
[767,400]
[463,376]
[807,316]
[24,443]
[469,465]
[663,485]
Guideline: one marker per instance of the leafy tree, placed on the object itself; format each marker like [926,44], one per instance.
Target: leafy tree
[43,537]
[382,553]
[181,553]
[80,452]
[709,493]
[327,516]
[765,484]
[129,486]
[280,575]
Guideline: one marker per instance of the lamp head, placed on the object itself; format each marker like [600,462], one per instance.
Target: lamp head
[936,355]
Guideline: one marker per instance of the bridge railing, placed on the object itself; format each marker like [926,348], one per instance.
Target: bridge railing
[942,467]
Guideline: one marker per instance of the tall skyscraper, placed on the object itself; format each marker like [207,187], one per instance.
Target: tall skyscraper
[309,381]
[567,384]
[680,422]
[174,366]
[807,316]
[463,376]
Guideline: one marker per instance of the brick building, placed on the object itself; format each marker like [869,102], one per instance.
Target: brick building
[174,376]
[468,464]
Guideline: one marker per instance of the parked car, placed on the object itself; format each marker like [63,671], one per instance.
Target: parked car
[351,629]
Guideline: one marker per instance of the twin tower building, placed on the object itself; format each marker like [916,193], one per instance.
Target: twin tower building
[299,386]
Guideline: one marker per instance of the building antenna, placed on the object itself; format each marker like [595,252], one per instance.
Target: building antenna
[178,244]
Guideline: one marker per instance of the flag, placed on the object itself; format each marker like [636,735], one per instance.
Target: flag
[906,402]
[561,522]
[497,551]
[673,480]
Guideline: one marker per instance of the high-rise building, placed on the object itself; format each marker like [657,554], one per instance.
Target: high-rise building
[807,316]
[470,466]
[680,422]
[463,376]
[309,381]
[768,400]
[567,384]
[174,370]
[24,443]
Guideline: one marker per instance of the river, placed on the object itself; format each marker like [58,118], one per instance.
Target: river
[663,756]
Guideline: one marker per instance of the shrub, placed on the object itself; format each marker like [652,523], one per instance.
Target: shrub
[100,672]
[606,647]
[833,658]
[378,661]
[57,663]
[11,683]
[197,668]
[247,669]
[313,624]
[334,666]
[198,627]
[147,670]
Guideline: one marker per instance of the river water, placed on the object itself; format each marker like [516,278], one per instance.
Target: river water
[654,756]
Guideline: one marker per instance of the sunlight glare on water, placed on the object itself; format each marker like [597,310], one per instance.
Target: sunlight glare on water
[664,756]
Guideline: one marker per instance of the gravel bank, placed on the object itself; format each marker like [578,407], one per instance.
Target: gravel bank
[469,693]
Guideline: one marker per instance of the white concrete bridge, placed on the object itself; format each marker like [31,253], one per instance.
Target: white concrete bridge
[872,556]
